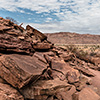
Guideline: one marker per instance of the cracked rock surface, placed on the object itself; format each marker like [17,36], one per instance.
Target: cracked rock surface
[32,68]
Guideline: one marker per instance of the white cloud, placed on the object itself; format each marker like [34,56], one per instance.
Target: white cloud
[48,19]
[29,18]
[82,16]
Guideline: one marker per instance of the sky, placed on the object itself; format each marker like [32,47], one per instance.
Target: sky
[50,16]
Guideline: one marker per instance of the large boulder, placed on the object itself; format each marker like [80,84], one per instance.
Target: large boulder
[19,70]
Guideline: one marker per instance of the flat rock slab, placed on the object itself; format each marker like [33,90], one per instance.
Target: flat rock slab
[96,79]
[19,70]
[85,71]
[86,94]
[61,66]
[9,93]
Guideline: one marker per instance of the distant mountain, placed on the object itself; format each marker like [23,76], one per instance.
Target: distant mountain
[73,38]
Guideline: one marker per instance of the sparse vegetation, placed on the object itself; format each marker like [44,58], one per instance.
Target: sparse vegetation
[12,20]
[83,50]
[71,48]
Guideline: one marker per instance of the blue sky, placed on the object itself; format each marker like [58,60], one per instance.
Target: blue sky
[49,16]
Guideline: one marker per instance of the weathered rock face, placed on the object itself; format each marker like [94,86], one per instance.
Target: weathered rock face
[31,68]
[9,38]
[20,70]
[13,39]
[35,34]
[9,93]
[45,88]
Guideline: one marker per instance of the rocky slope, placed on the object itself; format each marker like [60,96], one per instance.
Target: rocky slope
[73,38]
[32,68]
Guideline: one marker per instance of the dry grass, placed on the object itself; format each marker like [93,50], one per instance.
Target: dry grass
[83,49]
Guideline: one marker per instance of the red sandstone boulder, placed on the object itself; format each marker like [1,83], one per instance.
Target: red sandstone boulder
[20,70]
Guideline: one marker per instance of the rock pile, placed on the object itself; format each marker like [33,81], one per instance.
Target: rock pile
[32,68]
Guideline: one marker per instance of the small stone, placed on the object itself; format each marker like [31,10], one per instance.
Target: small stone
[73,76]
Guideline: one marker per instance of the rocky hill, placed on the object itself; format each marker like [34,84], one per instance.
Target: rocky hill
[73,38]
[32,68]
